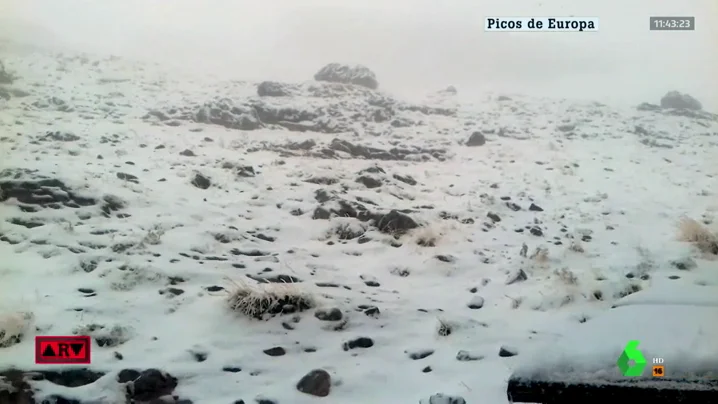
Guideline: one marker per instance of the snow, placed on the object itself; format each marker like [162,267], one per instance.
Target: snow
[594,179]
[670,293]
[683,336]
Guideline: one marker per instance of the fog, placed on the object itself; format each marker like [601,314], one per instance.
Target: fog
[414,46]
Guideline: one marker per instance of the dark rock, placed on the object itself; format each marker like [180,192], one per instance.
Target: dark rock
[684,264]
[645,106]
[174,291]
[15,388]
[440,398]
[276,351]
[373,170]
[322,180]
[345,74]
[476,302]
[396,223]
[407,179]
[69,377]
[318,383]
[476,139]
[280,278]
[264,237]
[451,90]
[321,196]
[274,89]
[535,208]
[466,356]
[151,384]
[201,182]
[361,342]
[60,137]
[421,354]
[566,127]
[225,113]
[401,272]
[518,276]
[369,182]
[674,99]
[536,231]
[112,203]
[321,214]
[39,191]
[187,153]
[127,375]
[332,314]
[371,311]
[513,206]
[373,153]
[245,172]
[128,177]
[445,258]
[199,356]
[494,217]
[506,352]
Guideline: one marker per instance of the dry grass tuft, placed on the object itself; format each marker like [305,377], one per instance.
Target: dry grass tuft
[13,328]
[6,76]
[268,299]
[691,231]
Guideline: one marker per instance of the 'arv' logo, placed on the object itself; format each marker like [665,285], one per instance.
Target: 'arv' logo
[631,353]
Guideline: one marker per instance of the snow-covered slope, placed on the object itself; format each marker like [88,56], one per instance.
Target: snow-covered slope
[424,237]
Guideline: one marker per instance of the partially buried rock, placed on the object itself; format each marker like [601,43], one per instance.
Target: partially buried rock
[369,182]
[201,182]
[339,73]
[440,398]
[333,314]
[276,351]
[318,383]
[476,139]
[507,352]
[677,100]
[151,384]
[476,303]
[396,223]
[516,276]
[273,89]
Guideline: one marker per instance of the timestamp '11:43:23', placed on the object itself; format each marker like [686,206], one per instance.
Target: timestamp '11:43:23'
[672,23]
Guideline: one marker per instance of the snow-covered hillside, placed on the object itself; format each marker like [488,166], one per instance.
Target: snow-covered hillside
[405,247]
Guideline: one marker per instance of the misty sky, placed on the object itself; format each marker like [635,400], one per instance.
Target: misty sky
[414,46]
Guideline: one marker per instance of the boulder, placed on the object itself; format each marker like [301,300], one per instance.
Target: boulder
[339,73]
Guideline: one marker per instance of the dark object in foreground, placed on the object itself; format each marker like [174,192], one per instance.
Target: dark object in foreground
[654,391]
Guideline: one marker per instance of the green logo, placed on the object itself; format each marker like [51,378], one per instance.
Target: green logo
[631,353]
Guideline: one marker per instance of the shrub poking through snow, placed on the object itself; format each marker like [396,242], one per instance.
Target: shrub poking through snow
[13,328]
[6,76]
[268,299]
[697,234]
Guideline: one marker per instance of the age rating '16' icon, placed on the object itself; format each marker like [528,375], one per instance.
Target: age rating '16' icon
[62,350]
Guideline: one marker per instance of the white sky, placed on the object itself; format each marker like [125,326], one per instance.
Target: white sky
[413,45]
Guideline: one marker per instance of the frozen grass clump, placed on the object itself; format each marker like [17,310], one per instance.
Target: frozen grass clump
[13,328]
[6,76]
[691,231]
[268,299]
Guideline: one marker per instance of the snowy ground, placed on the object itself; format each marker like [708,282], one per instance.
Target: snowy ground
[594,193]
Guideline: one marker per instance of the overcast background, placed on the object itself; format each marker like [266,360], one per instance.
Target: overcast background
[414,46]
